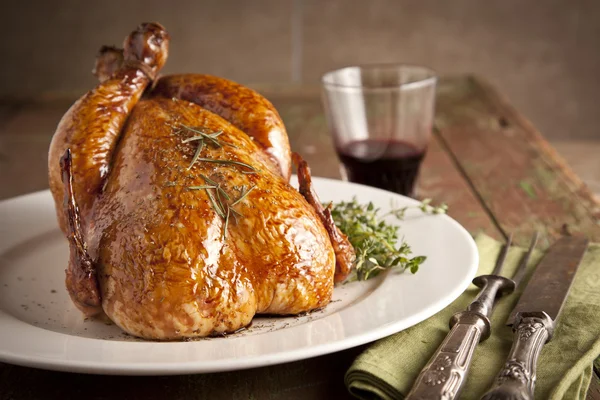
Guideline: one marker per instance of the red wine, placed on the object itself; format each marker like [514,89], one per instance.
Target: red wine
[390,165]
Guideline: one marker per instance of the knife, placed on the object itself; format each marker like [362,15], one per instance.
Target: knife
[533,319]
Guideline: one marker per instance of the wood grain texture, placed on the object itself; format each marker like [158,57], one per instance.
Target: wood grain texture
[582,157]
[521,180]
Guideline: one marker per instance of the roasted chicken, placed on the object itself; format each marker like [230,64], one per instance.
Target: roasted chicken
[173,194]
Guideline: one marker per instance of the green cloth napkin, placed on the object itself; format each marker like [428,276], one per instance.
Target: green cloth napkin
[388,368]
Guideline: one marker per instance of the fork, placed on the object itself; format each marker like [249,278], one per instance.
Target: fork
[444,375]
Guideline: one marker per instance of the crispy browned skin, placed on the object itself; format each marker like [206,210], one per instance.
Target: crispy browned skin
[91,126]
[149,246]
[242,106]
[344,252]
[167,267]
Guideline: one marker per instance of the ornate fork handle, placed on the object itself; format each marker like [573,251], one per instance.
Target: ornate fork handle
[445,373]
[443,376]
[516,379]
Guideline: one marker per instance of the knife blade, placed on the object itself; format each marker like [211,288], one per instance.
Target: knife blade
[534,318]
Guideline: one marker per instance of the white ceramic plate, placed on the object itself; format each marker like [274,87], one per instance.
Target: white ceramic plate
[39,327]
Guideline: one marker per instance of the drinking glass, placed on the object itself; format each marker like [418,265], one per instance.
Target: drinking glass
[380,118]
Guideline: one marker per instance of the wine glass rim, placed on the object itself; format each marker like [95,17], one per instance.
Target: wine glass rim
[430,80]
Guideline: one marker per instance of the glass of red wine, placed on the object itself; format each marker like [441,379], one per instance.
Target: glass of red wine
[380,117]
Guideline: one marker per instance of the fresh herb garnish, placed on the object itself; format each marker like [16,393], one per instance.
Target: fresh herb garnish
[216,186]
[425,207]
[201,135]
[226,223]
[376,241]
[201,187]
[218,207]
[219,199]
[243,195]
[235,214]
[228,162]
[196,154]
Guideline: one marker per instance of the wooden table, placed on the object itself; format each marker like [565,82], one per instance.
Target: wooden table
[487,162]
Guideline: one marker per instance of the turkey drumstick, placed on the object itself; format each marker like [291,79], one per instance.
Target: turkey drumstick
[243,107]
[92,125]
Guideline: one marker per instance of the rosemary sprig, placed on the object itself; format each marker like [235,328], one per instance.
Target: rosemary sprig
[376,241]
[201,187]
[228,162]
[226,224]
[193,139]
[196,154]
[220,200]
[216,186]
[235,214]
[216,206]
[243,195]
[201,132]
[203,135]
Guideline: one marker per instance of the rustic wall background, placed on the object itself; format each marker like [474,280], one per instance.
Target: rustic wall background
[545,56]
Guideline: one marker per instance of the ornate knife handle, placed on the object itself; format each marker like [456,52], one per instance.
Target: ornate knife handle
[444,375]
[516,379]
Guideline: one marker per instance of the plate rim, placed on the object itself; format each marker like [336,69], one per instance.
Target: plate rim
[229,364]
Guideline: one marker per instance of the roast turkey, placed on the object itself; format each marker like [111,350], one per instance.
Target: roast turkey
[174,195]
